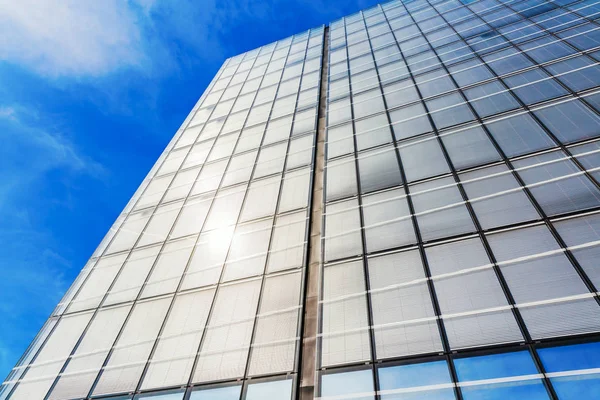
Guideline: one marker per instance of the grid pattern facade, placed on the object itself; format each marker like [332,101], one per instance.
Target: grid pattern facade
[461,191]
[201,279]
[458,245]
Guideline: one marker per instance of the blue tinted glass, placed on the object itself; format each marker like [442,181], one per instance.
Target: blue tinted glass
[222,393]
[578,384]
[346,383]
[276,390]
[517,365]
[414,376]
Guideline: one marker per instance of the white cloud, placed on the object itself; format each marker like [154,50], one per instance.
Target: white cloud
[71,37]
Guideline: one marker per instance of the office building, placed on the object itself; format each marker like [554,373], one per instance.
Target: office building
[404,204]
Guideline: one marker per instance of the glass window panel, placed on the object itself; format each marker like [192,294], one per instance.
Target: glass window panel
[207,261]
[225,208]
[423,381]
[340,141]
[270,160]
[410,121]
[198,154]
[295,191]
[133,347]
[470,72]
[341,178]
[367,103]
[209,177]
[239,169]
[169,267]
[514,370]
[474,308]
[345,329]
[338,111]
[378,169]
[274,345]
[355,384]
[181,185]
[133,275]
[422,158]
[497,197]
[304,121]
[506,61]
[400,93]
[588,156]
[434,83]
[154,192]
[99,280]
[276,390]
[539,275]
[278,130]
[387,220]
[578,364]
[519,134]
[469,147]
[570,121]
[558,184]
[174,355]
[288,242]
[129,232]
[342,234]
[405,323]
[248,252]
[372,131]
[261,199]
[192,217]
[227,338]
[491,98]
[300,152]
[449,110]
[440,209]
[547,48]
[250,138]
[164,395]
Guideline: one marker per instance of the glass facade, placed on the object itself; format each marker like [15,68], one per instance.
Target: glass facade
[404,204]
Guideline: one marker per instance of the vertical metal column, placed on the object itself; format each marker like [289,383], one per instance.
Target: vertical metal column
[311,301]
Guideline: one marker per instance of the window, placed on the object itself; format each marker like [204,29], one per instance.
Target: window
[367,103]
[261,199]
[403,316]
[519,134]
[422,158]
[217,393]
[400,93]
[410,121]
[469,147]
[346,384]
[388,221]
[288,242]
[169,267]
[470,72]
[342,230]
[341,178]
[275,390]
[248,252]
[372,131]
[516,373]
[440,209]
[345,331]
[132,276]
[497,197]
[340,141]
[491,98]
[419,381]
[449,110]
[378,169]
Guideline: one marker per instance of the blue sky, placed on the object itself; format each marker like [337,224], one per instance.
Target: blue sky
[90,94]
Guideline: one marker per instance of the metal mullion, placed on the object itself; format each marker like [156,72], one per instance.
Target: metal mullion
[218,285]
[427,271]
[580,271]
[273,223]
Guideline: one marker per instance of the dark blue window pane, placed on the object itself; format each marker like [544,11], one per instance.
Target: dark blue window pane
[585,73]
[348,383]
[518,366]
[408,381]
[577,384]
[570,121]
[276,390]
[534,86]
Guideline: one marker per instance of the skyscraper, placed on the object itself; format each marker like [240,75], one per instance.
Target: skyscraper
[404,204]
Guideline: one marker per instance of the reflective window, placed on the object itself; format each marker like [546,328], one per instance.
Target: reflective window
[423,381]
[342,384]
